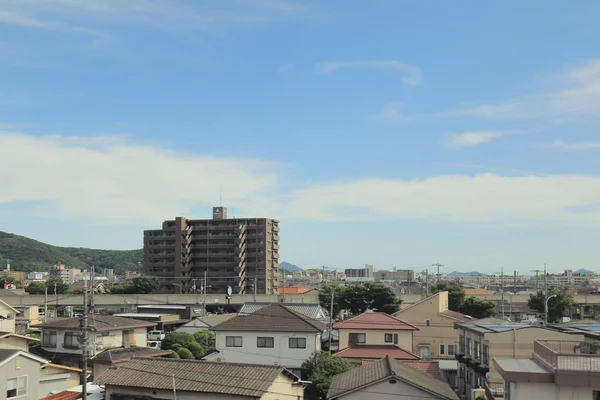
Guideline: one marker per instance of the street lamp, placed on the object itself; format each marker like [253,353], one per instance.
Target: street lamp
[180,287]
[546,309]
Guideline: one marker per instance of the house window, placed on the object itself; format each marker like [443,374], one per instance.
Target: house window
[357,338]
[388,338]
[424,351]
[265,342]
[451,349]
[442,349]
[297,343]
[486,354]
[49,339]
[428,322]
[469,349]
[233,341]
[72,340]
[477,350]
[16,387]
[395,338]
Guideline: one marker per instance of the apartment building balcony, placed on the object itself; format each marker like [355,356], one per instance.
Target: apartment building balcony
[275,237]
[275,246]
[569,356]
[276,228]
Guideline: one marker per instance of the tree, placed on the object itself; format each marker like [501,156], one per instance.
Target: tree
[557,306]
[61,287]
[456,295]
[325,297]
[4,279]
[183,339]
[205,339]
[358,297]
[35,288]
[478,308]
[145,284]
[174,354]
[319,368]
[197,350]
[185,354]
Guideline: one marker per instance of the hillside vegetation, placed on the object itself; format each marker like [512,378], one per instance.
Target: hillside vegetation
[26,254]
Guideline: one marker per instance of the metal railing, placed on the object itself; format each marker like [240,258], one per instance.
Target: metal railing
[569,355]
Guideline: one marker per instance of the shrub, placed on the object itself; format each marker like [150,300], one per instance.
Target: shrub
[185,354]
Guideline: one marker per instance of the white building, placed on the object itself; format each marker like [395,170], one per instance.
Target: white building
[274,335]
[7,317]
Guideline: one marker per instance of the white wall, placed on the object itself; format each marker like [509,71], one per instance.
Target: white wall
[53,383]
[280,353]
[7,325]
[549,391]
[390,391]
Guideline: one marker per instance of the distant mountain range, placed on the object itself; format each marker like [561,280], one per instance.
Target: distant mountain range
[472,273]
[289,267]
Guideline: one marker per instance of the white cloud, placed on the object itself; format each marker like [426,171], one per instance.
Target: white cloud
[578,96]
[576,146]
[412,75]
[112,180]
[392,113]
[469,139]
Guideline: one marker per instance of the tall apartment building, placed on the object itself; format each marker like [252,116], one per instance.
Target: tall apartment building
[237,252]
[67,275]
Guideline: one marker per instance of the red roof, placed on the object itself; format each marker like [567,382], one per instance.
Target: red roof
[373,351]
[66,395]
[429,367]
[458,316]
[375,320]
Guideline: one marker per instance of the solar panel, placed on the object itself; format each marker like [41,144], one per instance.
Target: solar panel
[502,327]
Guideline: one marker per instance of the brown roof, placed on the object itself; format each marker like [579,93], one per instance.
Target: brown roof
[273,318]
[120,354]
[250,380]
[364,376]
[66,395]
[458,316]
[475,292]
[429,367]
[100,322]
[365,351]
[375,320]
[59,366]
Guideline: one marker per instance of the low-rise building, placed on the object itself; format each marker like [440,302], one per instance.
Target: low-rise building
[388,379]
[7,317]
[161,378]
[106,332]
[557,370]
[395,275]
[112,357]
[273,335]
[13,341]
[204,323]
[20,374]
[57,378]
[37,276]
[360,274]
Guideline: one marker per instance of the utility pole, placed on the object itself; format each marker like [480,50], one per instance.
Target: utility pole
[84,343]
[502,289]
[437,277]
[426,283]
[537,286]
[92,287]
[45,304]
[256,288]
[204,291]
[515,284]
[283,285]
[56,308]
[331,319]
[545,281]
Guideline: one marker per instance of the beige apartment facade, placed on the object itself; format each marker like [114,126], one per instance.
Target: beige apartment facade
[235,252]
[481,341]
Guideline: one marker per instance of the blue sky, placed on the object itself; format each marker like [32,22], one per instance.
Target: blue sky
[397,133]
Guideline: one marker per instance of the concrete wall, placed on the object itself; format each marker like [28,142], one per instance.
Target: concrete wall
[390,391]
[29,368]
[280,353]
[376,336]
[549,391]
[440,330]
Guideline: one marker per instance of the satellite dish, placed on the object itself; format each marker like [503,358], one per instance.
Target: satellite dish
[488,375]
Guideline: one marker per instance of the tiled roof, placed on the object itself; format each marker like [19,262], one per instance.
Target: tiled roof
[364,351]
[314,311]
[120,354]
[458,316]
[375,320]
[429,367]
[4,335]
[66,395]
[193,376]
[273,318]
[59,366]
[371,373]
[101,322]
[476,292]
[293,289]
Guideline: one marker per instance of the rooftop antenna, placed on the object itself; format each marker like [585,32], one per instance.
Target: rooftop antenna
[220,195]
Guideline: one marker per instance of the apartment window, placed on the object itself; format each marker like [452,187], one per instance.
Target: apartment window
[265,342]
[469,349]
[442,349]
[71,340]
[486,355]
[395,338]
[233,341]
[388,338]
[49,339]
[461,342]
[357,338]
[451,349]
[297,343]
[424,351]
[428,322]
[477,350]
[16,387]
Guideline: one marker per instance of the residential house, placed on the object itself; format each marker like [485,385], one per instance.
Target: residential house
[274,335]
[557,369]
[293,289]
[162,378]
[373,335]
[16,342]
[106,332]
[93,392]
[110,357]
[7,317]
[310,310]
[78,286]
[388,379]
[589,328]
[20,374]
[27,316]
[483,340]
[56,378]
[204,323]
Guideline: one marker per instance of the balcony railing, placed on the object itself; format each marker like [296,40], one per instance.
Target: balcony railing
[569,355]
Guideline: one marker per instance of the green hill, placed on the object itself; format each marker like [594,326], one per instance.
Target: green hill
[30,255]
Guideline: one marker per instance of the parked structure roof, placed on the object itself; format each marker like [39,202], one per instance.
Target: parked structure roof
[273,318]
[375,320]
[120,354]
[311,310]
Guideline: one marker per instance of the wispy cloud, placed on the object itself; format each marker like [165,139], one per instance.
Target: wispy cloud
[412,75]
[575,146]
[286,68]
[470,139]
[393,113]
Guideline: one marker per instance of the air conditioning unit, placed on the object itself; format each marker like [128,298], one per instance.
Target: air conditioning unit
[477,394]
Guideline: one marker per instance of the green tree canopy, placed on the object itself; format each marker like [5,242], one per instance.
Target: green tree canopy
[185,354]
[319,368]
[35,288]
[197,350]
[174,354]
[171,339]
[358,297]
[39,287]
[478,308]
[456,295]
[325,297]
[557,306]
[206,339]
[139,285]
